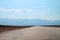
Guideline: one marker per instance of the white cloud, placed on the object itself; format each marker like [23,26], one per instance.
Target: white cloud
[29,10]
[23,16]
[15,13]
[14,10]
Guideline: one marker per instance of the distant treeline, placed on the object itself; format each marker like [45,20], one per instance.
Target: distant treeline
[13,26]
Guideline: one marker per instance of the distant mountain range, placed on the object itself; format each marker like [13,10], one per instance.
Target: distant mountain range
[28,22]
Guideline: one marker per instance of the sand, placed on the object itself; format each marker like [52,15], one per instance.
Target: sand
[31,33]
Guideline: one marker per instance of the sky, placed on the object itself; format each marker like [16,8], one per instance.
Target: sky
[30,9]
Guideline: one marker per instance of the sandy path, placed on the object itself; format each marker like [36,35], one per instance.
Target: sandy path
[32,33]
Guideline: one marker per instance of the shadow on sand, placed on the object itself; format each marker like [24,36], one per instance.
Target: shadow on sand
[4,28]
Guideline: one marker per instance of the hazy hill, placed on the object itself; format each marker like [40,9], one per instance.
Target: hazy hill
[24,22]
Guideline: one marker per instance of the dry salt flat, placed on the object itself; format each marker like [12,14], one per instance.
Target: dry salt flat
[32,33]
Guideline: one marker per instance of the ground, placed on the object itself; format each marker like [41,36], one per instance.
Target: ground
[30,33]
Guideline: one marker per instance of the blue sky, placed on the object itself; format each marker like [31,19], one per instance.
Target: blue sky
[30,9]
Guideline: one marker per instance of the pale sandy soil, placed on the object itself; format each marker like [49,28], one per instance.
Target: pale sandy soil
[32,33]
